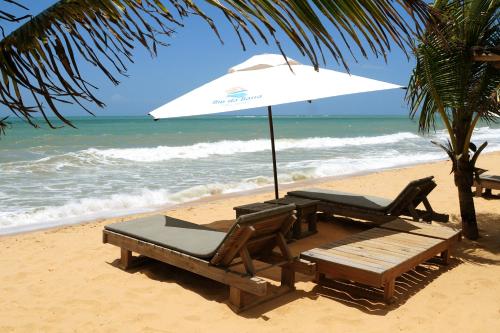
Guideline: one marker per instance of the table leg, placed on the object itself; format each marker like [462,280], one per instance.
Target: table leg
[312,221]
[389,291]
[297,227]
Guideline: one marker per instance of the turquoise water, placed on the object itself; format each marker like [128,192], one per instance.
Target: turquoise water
[113,166]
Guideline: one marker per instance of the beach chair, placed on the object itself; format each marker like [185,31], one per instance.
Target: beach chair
[486,182]
[228,258]
[375,209]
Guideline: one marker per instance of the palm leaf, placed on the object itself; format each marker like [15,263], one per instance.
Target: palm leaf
[446,81]
[42,58]
[4,124]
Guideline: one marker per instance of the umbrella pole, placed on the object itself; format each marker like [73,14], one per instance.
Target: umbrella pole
[271,131]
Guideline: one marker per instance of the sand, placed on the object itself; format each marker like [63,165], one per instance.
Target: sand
[65,279]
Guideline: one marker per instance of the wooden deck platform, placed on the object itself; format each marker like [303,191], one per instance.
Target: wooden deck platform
[377,256]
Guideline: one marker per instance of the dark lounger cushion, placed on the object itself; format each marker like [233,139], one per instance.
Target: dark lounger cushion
[175,234]
[490,178]
[346,198]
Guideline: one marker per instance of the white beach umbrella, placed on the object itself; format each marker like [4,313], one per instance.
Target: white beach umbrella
[262,81]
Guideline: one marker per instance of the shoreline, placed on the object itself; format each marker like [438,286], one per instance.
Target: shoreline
[126,215]
[77,183]
[11,231]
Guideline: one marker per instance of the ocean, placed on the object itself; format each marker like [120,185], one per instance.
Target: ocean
[114,166]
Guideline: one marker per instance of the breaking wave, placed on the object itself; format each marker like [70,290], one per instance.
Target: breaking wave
[147,200]
[384,151]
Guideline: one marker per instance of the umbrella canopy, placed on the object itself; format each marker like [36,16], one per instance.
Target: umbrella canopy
[265,80]
[262,81]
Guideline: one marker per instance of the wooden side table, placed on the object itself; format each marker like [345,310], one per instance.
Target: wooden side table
[306,213]
[253,208]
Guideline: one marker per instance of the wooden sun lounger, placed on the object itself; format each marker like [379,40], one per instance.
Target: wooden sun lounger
[488,183]
[217,255]
[376,209]
[377,256]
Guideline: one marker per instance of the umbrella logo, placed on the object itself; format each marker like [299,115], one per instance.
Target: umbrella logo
[235,96]
[236,92]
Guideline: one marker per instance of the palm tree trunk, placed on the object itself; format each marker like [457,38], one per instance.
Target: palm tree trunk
[463,180]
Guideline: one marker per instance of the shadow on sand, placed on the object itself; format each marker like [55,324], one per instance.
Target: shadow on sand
[364,298]
[485,249]
[369,299]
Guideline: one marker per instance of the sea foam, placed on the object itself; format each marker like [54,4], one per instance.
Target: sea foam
[66,174]
[231,147]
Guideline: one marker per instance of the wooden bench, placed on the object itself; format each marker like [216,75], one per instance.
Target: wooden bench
[377,256]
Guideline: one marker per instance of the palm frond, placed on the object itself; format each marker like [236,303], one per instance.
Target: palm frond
[42,58]
[446,81]
[4,124]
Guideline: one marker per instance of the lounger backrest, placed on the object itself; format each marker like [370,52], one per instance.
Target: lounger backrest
[257,231]
[425,190]
[413,193]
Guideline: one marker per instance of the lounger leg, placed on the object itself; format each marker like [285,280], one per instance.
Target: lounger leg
[445,257]
[413,212]
[479,190]
[389,291]
[297,226]
[312,221]
[487,192]
[236,298]
[125,259]
[288,276]
[318,277]
[429,211]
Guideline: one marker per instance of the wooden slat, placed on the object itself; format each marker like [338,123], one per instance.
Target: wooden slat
[379,233]
[383,249]
[330,258]
[365,259]
[356,257]
[401,244]
[373,245]
[416,239]
[396,238]
[394,241]
[336,271]
[423,229]
[403,250]
[232,246]
[381,255]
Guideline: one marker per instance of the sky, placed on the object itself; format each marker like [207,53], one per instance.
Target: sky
[196,56]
